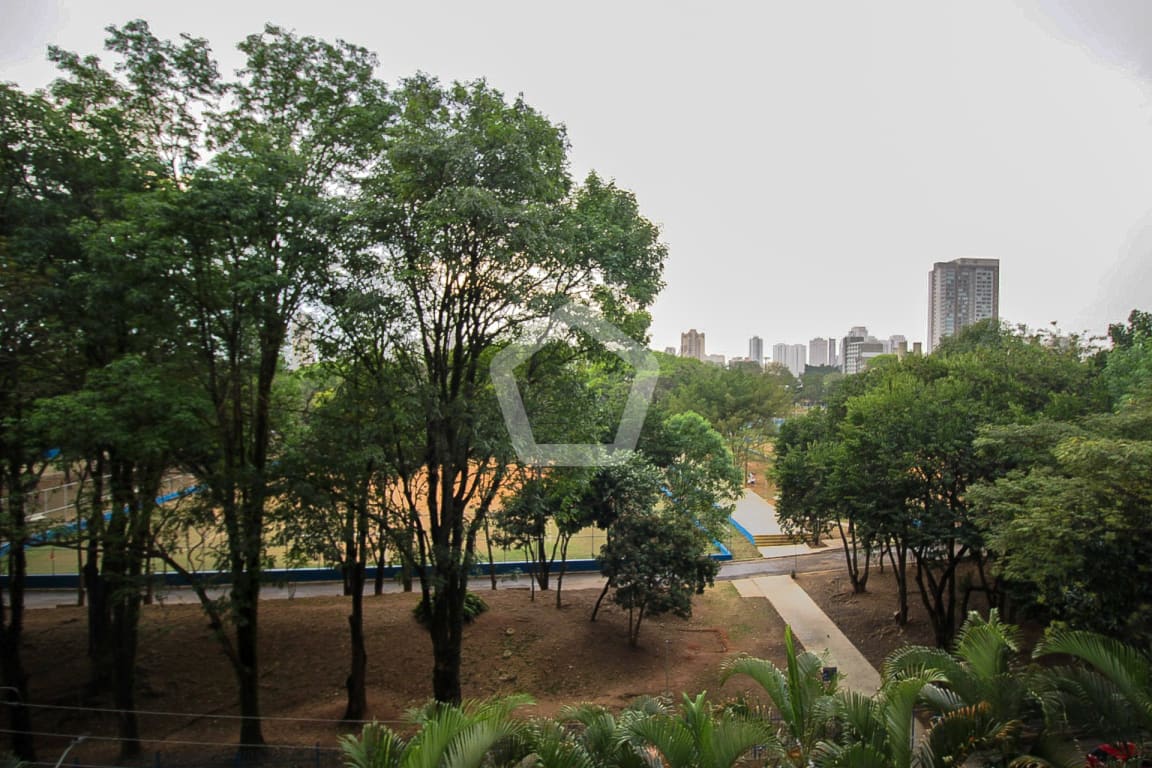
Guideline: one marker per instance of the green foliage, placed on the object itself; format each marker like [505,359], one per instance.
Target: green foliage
[702,738]
[474,605]
[740,403]
[1091,483]
[655,562]
[984,676]
[799,695]
[474,734]
[1111,694]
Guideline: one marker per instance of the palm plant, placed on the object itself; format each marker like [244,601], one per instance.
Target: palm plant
[701,737]
[1112,695]
[448,736]
[982,675]
[589,736]
[799,694]
[880,731]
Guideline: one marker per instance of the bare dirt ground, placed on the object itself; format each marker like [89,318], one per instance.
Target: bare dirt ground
[519,646]
[867,619]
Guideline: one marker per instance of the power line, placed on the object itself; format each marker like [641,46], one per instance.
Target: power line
[201,715]
[170,742]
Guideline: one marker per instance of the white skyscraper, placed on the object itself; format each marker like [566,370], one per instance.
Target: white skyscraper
[791,356]
[822,351]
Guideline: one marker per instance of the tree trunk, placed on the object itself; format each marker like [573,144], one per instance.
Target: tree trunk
[99,608]
[125,621]
[246,596]
[563,567]
[12,672]
[358,674]
[447,629]
[898,555]
[491,560]
[603,592]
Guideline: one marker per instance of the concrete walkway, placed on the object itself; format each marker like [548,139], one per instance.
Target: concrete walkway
[812,627]
[757,516]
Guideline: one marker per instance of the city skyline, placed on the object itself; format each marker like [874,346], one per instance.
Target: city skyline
[891,136]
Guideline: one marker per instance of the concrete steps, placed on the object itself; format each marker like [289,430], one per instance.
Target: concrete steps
[772,539]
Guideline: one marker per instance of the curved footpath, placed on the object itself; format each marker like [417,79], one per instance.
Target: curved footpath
[810,625]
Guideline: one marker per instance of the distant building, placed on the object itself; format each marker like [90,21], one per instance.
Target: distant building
[756,349]
[692,344]
[960,293]
[897,345]
[745,362]
[792,356]
[670,351]
[715,360]
[857,348]
[822,351]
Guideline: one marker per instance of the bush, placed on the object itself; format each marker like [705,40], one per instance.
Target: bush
[473,607]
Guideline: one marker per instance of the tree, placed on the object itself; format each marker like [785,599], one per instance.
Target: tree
[740,403]
[1128,365]
[543,507]
[474,215]
[132,415]
[1092,483]
[337,479]
[655,561]
[799,694]
[259,230]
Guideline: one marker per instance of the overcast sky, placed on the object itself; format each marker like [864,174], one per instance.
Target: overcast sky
[807,162]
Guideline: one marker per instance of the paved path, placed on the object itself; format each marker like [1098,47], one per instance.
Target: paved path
[755,514]
[758,516]
[812,627]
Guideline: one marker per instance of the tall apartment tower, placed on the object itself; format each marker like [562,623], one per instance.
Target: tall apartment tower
[822,351]
[792,356]
[960,293]
[692,345]
[756,349]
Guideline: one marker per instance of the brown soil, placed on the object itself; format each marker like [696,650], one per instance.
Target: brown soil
[868,619]
[557,656]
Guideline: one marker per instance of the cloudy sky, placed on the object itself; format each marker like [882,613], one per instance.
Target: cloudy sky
[807,161]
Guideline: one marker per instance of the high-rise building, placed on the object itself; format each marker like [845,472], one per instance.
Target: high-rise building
[822,351]
[961,292]
[792,356]
[756,349]
[692,345]
[670,351]
[715,360]
[857,348]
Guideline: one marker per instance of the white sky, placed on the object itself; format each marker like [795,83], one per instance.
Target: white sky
[807,161]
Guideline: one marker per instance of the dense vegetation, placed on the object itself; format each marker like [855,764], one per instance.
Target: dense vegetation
[291,284]
[984,703]
[1010,465]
